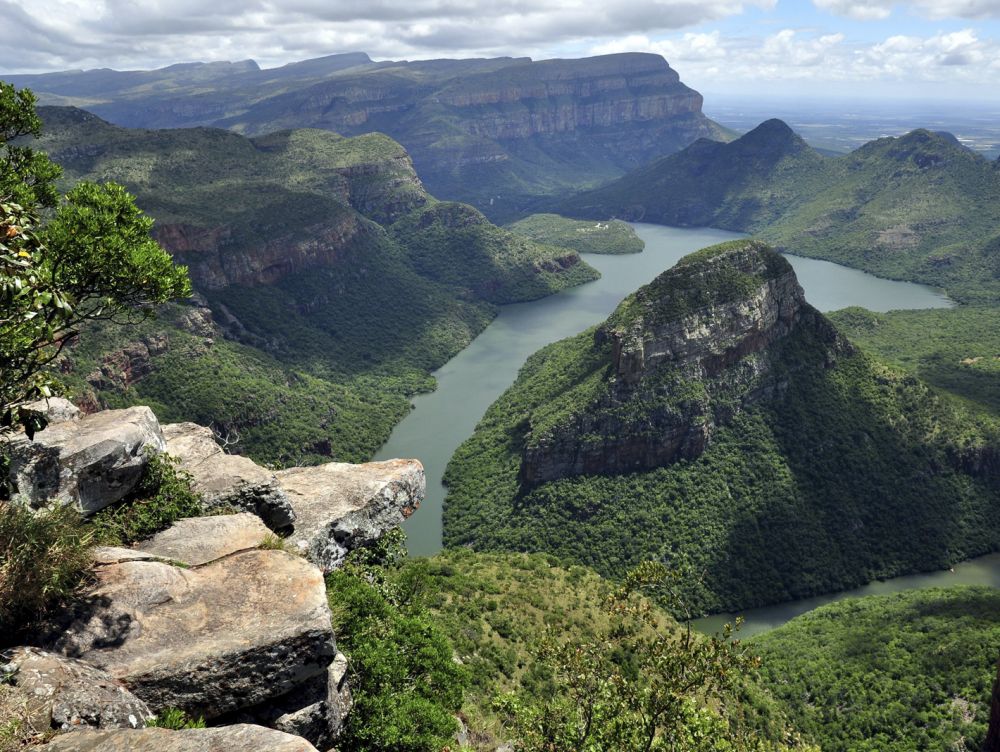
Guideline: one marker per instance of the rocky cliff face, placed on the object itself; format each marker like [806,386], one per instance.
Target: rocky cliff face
[685,355]
[216,258]
[558,96]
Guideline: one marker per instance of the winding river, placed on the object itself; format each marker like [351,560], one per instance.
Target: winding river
[469,383]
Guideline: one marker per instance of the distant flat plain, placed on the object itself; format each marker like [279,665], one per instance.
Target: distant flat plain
[842,125]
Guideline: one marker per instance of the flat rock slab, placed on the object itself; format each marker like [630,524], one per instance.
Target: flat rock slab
[90,463]
[242,737]
[229,635]
[61,693]
[339,506]
[227,479]
[199,540]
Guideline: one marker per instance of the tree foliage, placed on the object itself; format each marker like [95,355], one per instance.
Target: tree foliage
[640,686]
[63,261]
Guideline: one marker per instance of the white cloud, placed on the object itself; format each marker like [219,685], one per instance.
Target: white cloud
[805,57]
[144,33]
[936,9]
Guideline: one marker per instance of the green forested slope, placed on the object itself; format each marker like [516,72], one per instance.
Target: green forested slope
[894,673]
[919,207]
[291,242]
[581,236]
[956,350]
[852,470]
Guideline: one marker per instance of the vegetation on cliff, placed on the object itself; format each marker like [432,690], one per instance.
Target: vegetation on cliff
[584,237]
[455,244]
[853,470]
[889,673]
[919,207]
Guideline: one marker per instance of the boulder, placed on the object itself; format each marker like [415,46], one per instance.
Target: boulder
[227,479]
[90,463]
[315,711]
[200,540]
[228,635]
[57,692]
[339,507]
[238,738]
[52,410]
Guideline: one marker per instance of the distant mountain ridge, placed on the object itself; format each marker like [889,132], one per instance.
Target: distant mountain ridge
[497,133]
[920,207]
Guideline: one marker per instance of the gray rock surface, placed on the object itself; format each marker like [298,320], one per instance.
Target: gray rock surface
[53,409]
[90,463]
[227,479]
[57,692]
[228,635]
[317,710]
[339,507]
[238,738]
[200,540]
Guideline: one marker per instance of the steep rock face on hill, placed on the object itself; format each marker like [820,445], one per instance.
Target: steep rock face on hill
[687,353]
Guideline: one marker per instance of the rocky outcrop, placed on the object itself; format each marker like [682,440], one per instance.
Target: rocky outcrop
[339,506]
[200,540]
[89,463]
[316,711]
[56,692]
[237,738]
[52,410]
[231,634]
[218,257]
[122,368]
[227,480]
[686,354]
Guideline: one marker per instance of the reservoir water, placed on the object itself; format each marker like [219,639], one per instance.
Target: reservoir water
[469,383]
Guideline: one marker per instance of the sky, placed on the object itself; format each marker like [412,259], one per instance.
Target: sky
[914,49]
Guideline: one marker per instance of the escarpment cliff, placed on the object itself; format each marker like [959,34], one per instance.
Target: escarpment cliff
[498,133]
[558,96]
[684,355]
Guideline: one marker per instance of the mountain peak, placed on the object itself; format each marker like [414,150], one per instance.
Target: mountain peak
[702,342]
[720,275]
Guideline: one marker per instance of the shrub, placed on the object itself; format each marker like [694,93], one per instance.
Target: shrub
[43,558]
[162,497]
[176,719]
[407,688]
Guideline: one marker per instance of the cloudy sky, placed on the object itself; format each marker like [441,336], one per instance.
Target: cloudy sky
[880,48]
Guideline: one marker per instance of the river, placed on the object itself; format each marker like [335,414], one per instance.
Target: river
[470,382]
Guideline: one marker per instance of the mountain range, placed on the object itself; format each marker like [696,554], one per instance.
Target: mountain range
[496,133]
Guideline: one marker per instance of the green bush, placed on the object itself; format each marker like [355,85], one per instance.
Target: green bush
[162,497]
[406,686]
[43,558]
